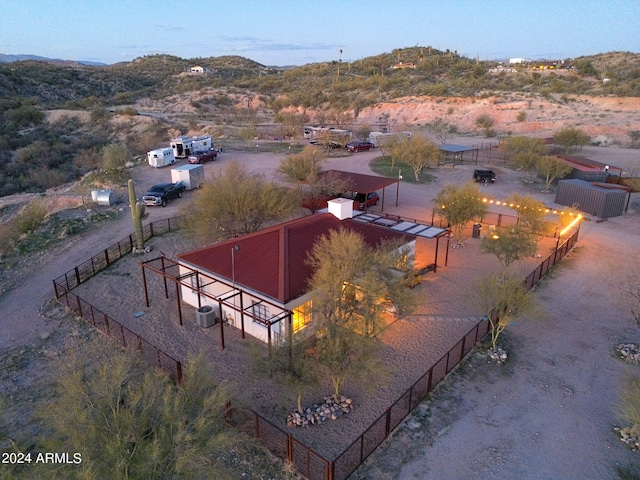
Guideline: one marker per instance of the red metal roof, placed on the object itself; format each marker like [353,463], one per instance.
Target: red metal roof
[273,261]
[363,183]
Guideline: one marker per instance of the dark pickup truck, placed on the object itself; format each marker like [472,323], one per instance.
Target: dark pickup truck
[160,193]
[485,176]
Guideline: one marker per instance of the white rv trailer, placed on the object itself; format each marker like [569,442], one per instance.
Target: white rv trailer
[184,146]
[161,157]
[337,136]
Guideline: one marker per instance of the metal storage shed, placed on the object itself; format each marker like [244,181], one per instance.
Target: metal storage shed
[593,199]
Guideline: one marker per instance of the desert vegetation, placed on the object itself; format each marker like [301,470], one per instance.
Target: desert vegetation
[39,153]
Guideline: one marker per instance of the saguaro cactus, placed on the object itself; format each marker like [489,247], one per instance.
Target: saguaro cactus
[137,214]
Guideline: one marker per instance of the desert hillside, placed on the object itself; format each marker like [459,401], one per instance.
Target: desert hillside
[607,120]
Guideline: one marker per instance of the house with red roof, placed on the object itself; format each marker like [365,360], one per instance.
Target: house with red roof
[259,282]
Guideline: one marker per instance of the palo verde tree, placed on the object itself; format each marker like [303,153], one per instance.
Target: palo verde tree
[131,422]
[299,167]
[418,152]
[569,138]
[353,287]
[531,215]
[313,186]
[235,202]
[550,169]
[524,153]
[509,244]
[502,299]
[460,204]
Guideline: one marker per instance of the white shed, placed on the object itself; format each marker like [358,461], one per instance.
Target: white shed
[192,176]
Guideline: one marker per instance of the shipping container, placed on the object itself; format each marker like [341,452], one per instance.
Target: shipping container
[595,200]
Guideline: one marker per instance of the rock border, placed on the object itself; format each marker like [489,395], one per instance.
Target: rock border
[318,413]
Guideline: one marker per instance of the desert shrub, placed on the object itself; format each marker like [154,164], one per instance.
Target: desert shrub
[115,156]
[8,237]
[521,117]
[30,218]
[484,121]
[129,111]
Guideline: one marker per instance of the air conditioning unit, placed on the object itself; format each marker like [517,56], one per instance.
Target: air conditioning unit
[207,316]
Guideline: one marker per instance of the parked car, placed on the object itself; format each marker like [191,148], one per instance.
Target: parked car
[359,146]
[206,155]
[161,193]
[365,201]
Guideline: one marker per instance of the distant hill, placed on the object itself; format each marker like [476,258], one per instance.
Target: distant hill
[4,58]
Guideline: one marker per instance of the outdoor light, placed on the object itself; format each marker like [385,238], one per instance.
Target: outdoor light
[571,225]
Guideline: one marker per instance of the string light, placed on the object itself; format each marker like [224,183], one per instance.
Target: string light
[571,225]
[516,207]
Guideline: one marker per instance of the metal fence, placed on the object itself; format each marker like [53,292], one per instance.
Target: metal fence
[280,442]
[63,285]
[83,272]
[558,254]
[115,329]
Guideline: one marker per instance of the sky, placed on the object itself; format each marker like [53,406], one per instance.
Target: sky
[297,32]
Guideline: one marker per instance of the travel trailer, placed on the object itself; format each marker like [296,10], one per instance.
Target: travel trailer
[184,146]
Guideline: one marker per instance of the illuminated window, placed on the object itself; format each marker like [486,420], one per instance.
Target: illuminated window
[301,316]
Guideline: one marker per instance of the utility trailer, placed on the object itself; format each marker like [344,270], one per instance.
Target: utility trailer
[485,176]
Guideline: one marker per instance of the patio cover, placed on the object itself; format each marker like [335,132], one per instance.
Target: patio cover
[361,183]
[457,151]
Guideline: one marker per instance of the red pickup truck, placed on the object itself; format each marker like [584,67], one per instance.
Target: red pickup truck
[199,157]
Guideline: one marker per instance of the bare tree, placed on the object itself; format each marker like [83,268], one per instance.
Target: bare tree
[292,123]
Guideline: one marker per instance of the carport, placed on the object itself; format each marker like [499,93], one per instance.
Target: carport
[361,183]
[457,152]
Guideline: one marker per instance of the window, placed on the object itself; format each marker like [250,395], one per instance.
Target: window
[192,280]
[260,313]
[301,316]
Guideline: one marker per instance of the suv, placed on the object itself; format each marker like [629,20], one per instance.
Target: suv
[199,157]
[359,146]
[365,201]
[160,193]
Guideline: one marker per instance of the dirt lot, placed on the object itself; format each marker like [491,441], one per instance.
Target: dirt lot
[547,413]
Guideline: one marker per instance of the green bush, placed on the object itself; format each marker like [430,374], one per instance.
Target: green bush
[30,218]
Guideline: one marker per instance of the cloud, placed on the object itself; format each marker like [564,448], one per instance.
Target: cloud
[249,43]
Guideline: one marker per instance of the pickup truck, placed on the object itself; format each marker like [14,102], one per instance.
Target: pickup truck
[160,193]
[484,176]
[199,157]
